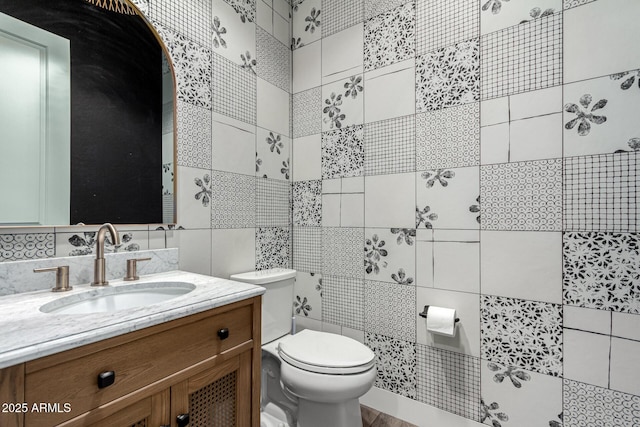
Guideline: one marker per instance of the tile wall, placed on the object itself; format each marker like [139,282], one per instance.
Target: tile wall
[484,154]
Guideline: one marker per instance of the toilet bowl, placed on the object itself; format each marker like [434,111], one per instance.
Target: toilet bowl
[312,378]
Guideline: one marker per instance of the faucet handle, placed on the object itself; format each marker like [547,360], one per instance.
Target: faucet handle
[132,266]
[62,277]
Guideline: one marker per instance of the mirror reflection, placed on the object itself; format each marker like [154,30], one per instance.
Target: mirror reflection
[87,103]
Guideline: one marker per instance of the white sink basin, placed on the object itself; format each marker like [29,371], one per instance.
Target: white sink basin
[117,298]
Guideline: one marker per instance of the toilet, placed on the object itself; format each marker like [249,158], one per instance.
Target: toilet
[311,378]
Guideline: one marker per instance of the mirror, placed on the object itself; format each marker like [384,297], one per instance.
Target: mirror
[115,150]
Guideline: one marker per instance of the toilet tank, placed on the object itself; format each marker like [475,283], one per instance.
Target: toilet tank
[277,301]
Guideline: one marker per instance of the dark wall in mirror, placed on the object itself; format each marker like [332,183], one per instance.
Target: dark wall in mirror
[116,112]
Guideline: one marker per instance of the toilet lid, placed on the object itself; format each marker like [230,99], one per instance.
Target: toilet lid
[326,353]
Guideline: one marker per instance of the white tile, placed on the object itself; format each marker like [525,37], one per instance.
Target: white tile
[282,7]
[233,251]
[195,251]
[352,210]
[331,328]
[536,103]
[281,29]
[273,108]
[157,239]
[467,306]
[625,359]
[303,323]
[536,138]
[424,264]
[466,236]
[390,201]
[587,319]
[331,210]
[621,113]
[353,185]
[391,94]
[331,186]
[353,333]
[586,357]
[494,111]
[307,152]
[522,264]
[233,149]
[264,16]
[306,67]
[457,266]
[626,325]
[351,109]
[606,54]
[494,144]
[272,149]
[342,54]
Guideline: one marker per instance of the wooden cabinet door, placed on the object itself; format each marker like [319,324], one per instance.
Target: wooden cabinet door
[219,397]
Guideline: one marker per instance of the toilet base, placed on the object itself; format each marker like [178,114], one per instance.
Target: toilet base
[315,414]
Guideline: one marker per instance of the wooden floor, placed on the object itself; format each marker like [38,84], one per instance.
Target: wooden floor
[373,418]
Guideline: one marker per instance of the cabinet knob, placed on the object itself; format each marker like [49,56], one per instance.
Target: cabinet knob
[223,333]
[182,420]
[105,379]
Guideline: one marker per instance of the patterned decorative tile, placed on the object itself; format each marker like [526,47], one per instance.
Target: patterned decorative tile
[524,398]
[233,200]
[234,90]
[274,60]
[342,252]
[390,309]
[448,77]
[526,334]
[395,362]
[588,405]
[14,247]
[389,38]
[273,203]
[77,244]
[449,381]
[522,58]
[448,138]
[522,196]
[340,14]
[192,67]
[232,37]
[273,247]
[601,270]
[389,255]
[343,108]
[389,146]
[440,24]
[568,4]
[600,192]
[191,18]
[449,193]
[307,114]
[194,136]
[273,155]
[343,153]
[307,22]
[342,301]
[246,9]
[497,15]
[307,203]
[307,249]
[373,8]
[308,295]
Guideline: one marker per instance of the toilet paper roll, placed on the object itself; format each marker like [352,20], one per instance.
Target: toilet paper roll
[441,321]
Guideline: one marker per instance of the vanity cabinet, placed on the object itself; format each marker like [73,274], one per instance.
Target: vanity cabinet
[204,368]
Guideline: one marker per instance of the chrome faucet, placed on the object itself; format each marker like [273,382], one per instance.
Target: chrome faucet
[99,266]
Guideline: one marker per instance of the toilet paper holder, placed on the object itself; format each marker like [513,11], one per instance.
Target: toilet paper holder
[426,310]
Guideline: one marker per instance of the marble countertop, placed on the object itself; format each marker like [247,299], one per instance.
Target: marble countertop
[26,333]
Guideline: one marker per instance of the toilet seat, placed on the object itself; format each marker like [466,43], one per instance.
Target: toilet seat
[325,353]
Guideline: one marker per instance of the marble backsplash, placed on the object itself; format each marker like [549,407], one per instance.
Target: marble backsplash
[18,276]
